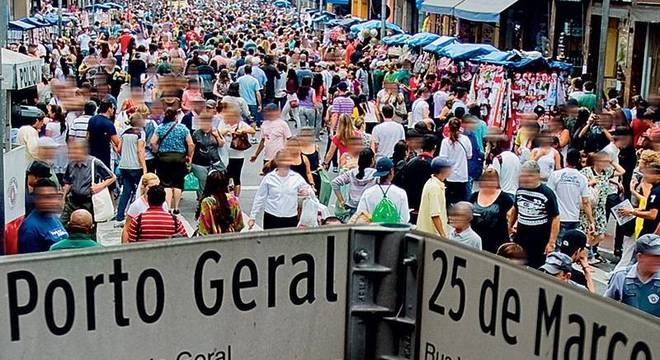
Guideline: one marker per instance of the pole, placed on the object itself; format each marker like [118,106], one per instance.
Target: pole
[59,17]
[4,17]
[383,10]
[600,76]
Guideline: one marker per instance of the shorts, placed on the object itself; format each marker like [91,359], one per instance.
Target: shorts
[234,169]
[171,170]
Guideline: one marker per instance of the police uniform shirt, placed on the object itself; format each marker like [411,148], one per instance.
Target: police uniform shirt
[626,287]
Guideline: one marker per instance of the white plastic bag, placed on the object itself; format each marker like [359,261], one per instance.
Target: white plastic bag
[104,209]
[309,215]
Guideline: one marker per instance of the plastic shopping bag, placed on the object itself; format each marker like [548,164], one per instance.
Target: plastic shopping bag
[309,215]
[326,189]
[190,183]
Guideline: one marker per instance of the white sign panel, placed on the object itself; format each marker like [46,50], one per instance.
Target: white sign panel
[270,296]
[477,306]
[28,74]
[14,180]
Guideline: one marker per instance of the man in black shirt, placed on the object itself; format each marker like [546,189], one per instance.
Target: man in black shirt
[650,212]
[535,215]
[271,75]
[415,173]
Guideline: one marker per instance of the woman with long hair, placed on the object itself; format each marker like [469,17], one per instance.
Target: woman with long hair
[342,139]
[57,130]
[278,195]
[490,207]
[219,210]
[221,86]
[299,162]
[357,180]
[208,142]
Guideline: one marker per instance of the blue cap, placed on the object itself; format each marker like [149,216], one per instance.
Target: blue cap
[438,163]
[557,262]
[648,244]
[383,167]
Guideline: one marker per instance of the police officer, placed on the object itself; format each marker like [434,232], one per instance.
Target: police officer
[639,284]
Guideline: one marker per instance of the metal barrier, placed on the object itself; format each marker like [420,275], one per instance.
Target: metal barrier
[328,293]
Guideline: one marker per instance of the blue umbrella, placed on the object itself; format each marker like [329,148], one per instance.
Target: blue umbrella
[396,40]
[375,24]
[460,52]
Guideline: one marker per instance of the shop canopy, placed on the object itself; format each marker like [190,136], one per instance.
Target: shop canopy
[18,25]
[422,39]
[460,52]
[282,4]
[375,24]
[439,43]
[338,2]
[19,71]
[396,40]
[482,11]
[443,7]
[35,21]
[346,22]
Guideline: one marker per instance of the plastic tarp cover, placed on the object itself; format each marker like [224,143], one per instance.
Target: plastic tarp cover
[461,52]
[375,24]
[422,39]
[347,22]
[18,25]
[482,11]
[396,40]
[443,7]
[282,3]
[438,44]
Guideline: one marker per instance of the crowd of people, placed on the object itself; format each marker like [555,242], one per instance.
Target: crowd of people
[143,103]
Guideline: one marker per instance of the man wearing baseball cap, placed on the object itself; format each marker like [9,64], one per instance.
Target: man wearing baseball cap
[560,266]
[639,284]
[432,215]
[574,244]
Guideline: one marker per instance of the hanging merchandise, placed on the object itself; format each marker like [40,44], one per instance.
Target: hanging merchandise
[532,89]
[488,90]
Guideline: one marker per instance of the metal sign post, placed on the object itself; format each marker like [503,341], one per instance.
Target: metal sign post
[4,109]
[602,50]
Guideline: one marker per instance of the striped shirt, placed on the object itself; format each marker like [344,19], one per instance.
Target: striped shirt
[155,224]
[343,105]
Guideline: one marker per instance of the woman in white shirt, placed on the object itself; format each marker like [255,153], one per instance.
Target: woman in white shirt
[231,125]
[278,195]
[456,147]
[546,156]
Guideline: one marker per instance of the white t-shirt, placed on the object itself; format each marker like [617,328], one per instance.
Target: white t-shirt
[509,170]
[570,187]
[439,102]
[418,111]
[139,206]
[386,135]
[233,154]
[372,196]
[458,152]
[84,40]
[613,152]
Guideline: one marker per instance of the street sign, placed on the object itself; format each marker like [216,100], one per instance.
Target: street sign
[478,306]
[276,295]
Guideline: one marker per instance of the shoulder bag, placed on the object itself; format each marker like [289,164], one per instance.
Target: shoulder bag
[240,142]
[104,210]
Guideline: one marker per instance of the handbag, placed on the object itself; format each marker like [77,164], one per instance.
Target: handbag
[240,142]
[104,210]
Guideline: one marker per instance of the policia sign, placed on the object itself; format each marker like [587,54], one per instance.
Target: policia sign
[476,306]
[278,295]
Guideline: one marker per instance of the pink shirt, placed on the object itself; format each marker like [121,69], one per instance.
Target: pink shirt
[274,133]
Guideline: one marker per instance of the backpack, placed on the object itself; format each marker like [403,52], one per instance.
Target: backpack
[385,212]
[476,163]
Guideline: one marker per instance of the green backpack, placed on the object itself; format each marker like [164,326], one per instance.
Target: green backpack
[385,212]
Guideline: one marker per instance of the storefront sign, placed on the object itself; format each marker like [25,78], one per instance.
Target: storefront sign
[27,74]
[477,306]
[14,181]
[267,296]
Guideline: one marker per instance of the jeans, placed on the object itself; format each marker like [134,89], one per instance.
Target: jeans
[201,173]
[564,226]
[256,115]
[309,118]
[129,181]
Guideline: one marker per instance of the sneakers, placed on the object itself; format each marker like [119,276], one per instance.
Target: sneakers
[176,212]
[253,141]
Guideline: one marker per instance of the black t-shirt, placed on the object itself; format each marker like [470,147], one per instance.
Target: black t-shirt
[412,178]
[271,74]
[653,202]
[536,209]
[490,222]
